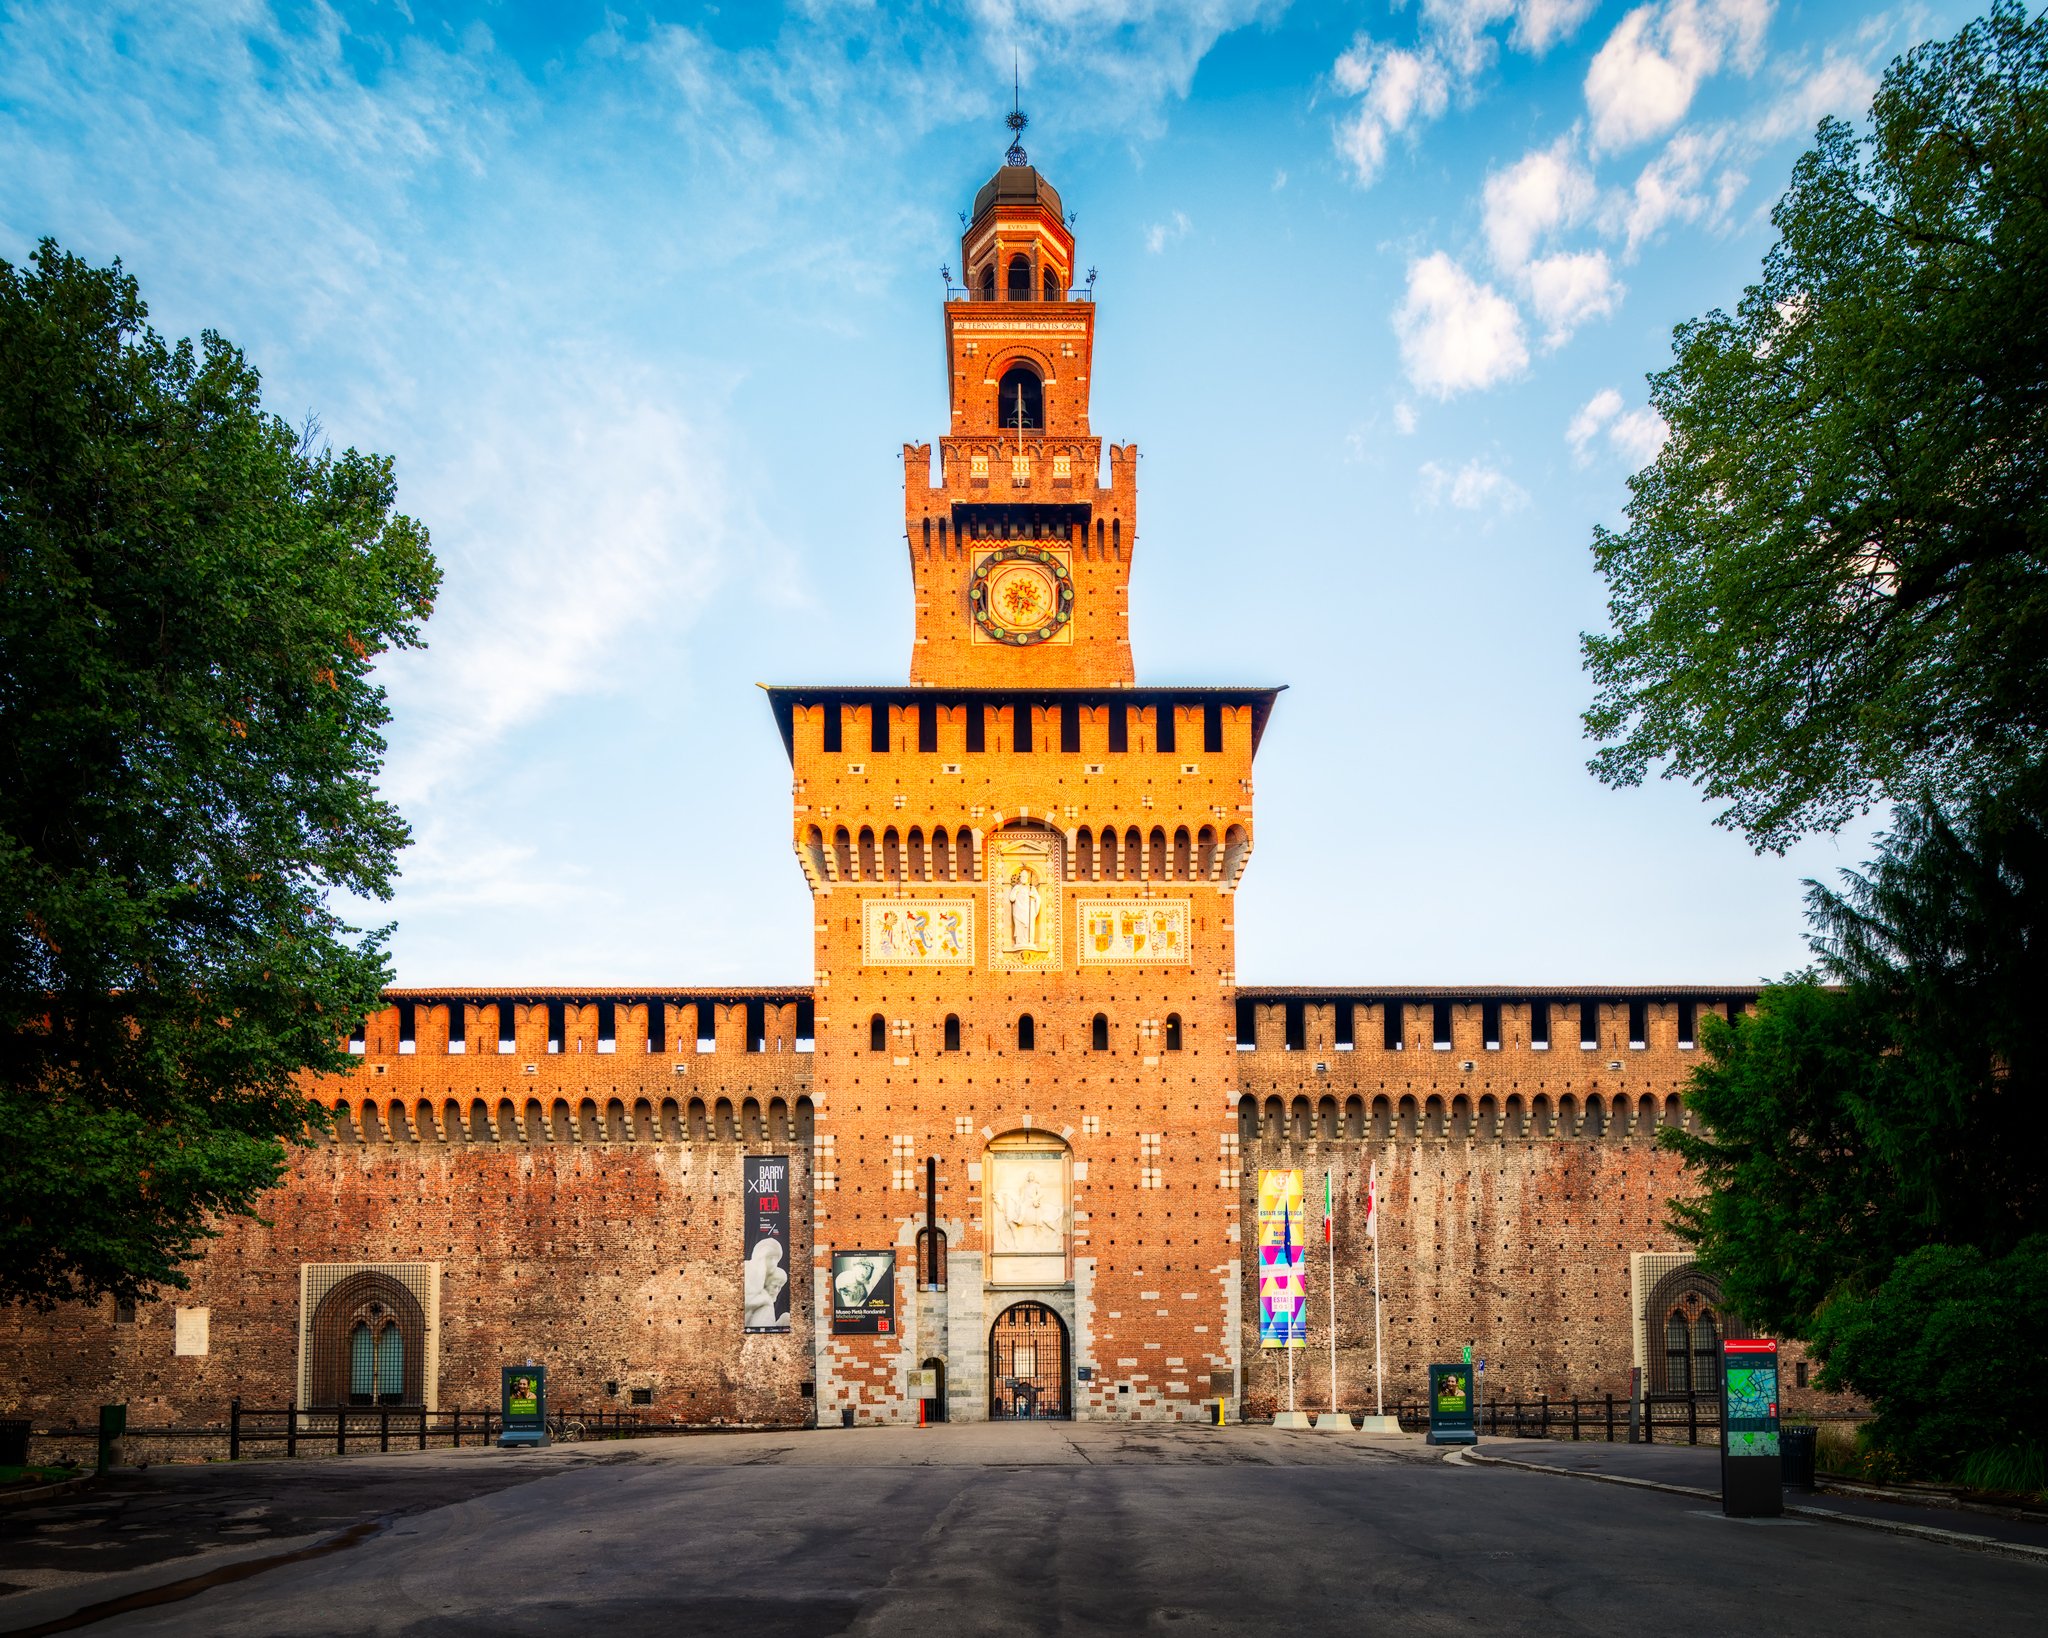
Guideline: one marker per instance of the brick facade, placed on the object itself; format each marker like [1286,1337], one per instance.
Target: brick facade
[1021,831]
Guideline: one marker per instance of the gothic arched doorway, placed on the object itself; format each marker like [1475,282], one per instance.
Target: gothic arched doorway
[369,1344]
[1027,1352]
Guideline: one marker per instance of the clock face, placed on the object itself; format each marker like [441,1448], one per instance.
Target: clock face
[1022,595]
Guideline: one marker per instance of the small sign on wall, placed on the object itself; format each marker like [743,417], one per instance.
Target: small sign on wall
[190,1335]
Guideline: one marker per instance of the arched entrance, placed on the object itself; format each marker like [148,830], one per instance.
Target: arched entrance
[935,1408]
[369,1344]
[1027,1353]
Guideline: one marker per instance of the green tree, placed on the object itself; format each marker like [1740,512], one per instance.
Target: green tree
[1846,1125]
[1832,589]
[192,601]
[1948,1348]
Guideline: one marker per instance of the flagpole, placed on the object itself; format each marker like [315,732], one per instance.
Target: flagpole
[1330,1245]
[1378,1370]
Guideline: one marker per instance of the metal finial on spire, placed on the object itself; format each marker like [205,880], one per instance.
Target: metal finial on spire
[1017,119]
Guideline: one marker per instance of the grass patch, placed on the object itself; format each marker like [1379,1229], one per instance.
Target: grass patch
[36,1475]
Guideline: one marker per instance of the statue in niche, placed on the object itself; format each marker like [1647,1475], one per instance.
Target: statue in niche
[1025,902]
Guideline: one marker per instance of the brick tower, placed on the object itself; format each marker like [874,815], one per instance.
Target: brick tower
[1022,866]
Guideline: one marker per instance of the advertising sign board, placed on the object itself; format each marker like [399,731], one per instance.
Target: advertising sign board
[863,1293]
[1451,1405]
[764,1284]
[523,1404]
[1283,1316]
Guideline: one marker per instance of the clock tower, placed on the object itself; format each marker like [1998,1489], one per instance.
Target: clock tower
[1023,867]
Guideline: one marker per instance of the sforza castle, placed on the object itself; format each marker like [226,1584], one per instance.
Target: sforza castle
[1023,1102]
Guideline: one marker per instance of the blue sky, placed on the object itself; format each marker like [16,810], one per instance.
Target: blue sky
[646,300]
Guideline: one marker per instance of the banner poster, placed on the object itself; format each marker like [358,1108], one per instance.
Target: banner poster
[764,1285]
[863,1293]
[1283,1309]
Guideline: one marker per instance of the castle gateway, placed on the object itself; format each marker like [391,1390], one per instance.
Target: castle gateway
[1001,1157]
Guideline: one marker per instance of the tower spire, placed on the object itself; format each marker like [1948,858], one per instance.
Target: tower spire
[1017,119]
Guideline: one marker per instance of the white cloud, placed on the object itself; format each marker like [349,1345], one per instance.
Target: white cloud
[1570,289]
[1405,419]
[1594,414]
[1456,334]
[1636,435]
[1161,234]
[1839,86]
[1642,81]
[1399,89]
[1474,487]
[1395,89]
[1541,24]
[1675,187]
[1279,180]
[1639,435]
[1544,191]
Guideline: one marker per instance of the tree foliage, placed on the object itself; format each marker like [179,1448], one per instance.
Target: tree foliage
[1948,1348]
[1846,1126]
[192,600]
[1833,584]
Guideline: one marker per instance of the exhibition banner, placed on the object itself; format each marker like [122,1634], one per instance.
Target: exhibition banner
[765,1283]
[1283,1317]
[863,1293]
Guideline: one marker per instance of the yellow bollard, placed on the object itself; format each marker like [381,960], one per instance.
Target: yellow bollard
[1221,1406]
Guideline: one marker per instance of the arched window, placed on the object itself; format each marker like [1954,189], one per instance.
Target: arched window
[878,1034]
[1706,1347]
[1020,278]
[1173,1032]
[1677,1352]
[1098,1034]
[952,1032]
[368,1343]
[1020,400]
[1052,285]
[988,282]
[1027,1034]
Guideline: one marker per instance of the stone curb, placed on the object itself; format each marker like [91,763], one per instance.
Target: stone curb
[1897,1527]
[45,1492]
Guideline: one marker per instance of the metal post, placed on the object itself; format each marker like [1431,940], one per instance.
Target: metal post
[1692,1418]
[1546,1416]
[423,1427]
[1330,1241]
[384,1428]
[235,1428]
[1610,1419]
[341,1430]
[291,1428]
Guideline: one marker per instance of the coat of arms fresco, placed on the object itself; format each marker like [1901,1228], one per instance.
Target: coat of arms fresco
[1134,932]
[1024,901]
[917,933]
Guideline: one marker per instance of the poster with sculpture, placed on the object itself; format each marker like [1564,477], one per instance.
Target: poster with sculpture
[917,933]
[1283,1316]
[1024,908]
[1133,933]
[764,1283]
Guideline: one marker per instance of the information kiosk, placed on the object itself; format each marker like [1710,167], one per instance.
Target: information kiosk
[1752,1476]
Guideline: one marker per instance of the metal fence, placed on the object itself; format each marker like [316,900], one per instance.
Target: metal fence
[336,1430]
[1661,1419]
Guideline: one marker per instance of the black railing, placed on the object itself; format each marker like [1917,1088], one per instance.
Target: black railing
[1079,293]
[1677,1418]
[335,1430]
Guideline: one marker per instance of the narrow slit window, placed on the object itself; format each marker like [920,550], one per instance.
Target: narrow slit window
[807,1026]
[1342,1023]
[835,735]
[458,1027]
[1070,727]
[1098,1034]
[1164,740]
[1119,728]
[1440,1025]
[1589,1024]
[952,1032]
[1297,1026]
[408,1018]
[1247,1026]
[757,1026]
[657,1026]
[1639,1023]
[1539,1023]
[1688,1023]
[927,726]
[607,1026]
[558,1012]
[707,1027]
[1027,1034]
[1173,1032]
[1020,716]
[1391,1026]
[1212,727]
[1489,1025]
[878,1034]
[878,718]
[977,728]
[508,1027]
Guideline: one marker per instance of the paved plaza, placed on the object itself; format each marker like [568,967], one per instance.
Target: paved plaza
[1001,1528]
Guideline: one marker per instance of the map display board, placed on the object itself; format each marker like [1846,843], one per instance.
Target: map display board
[1752,1473]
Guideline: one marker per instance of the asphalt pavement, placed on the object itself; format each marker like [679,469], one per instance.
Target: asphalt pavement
[1002,1529]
